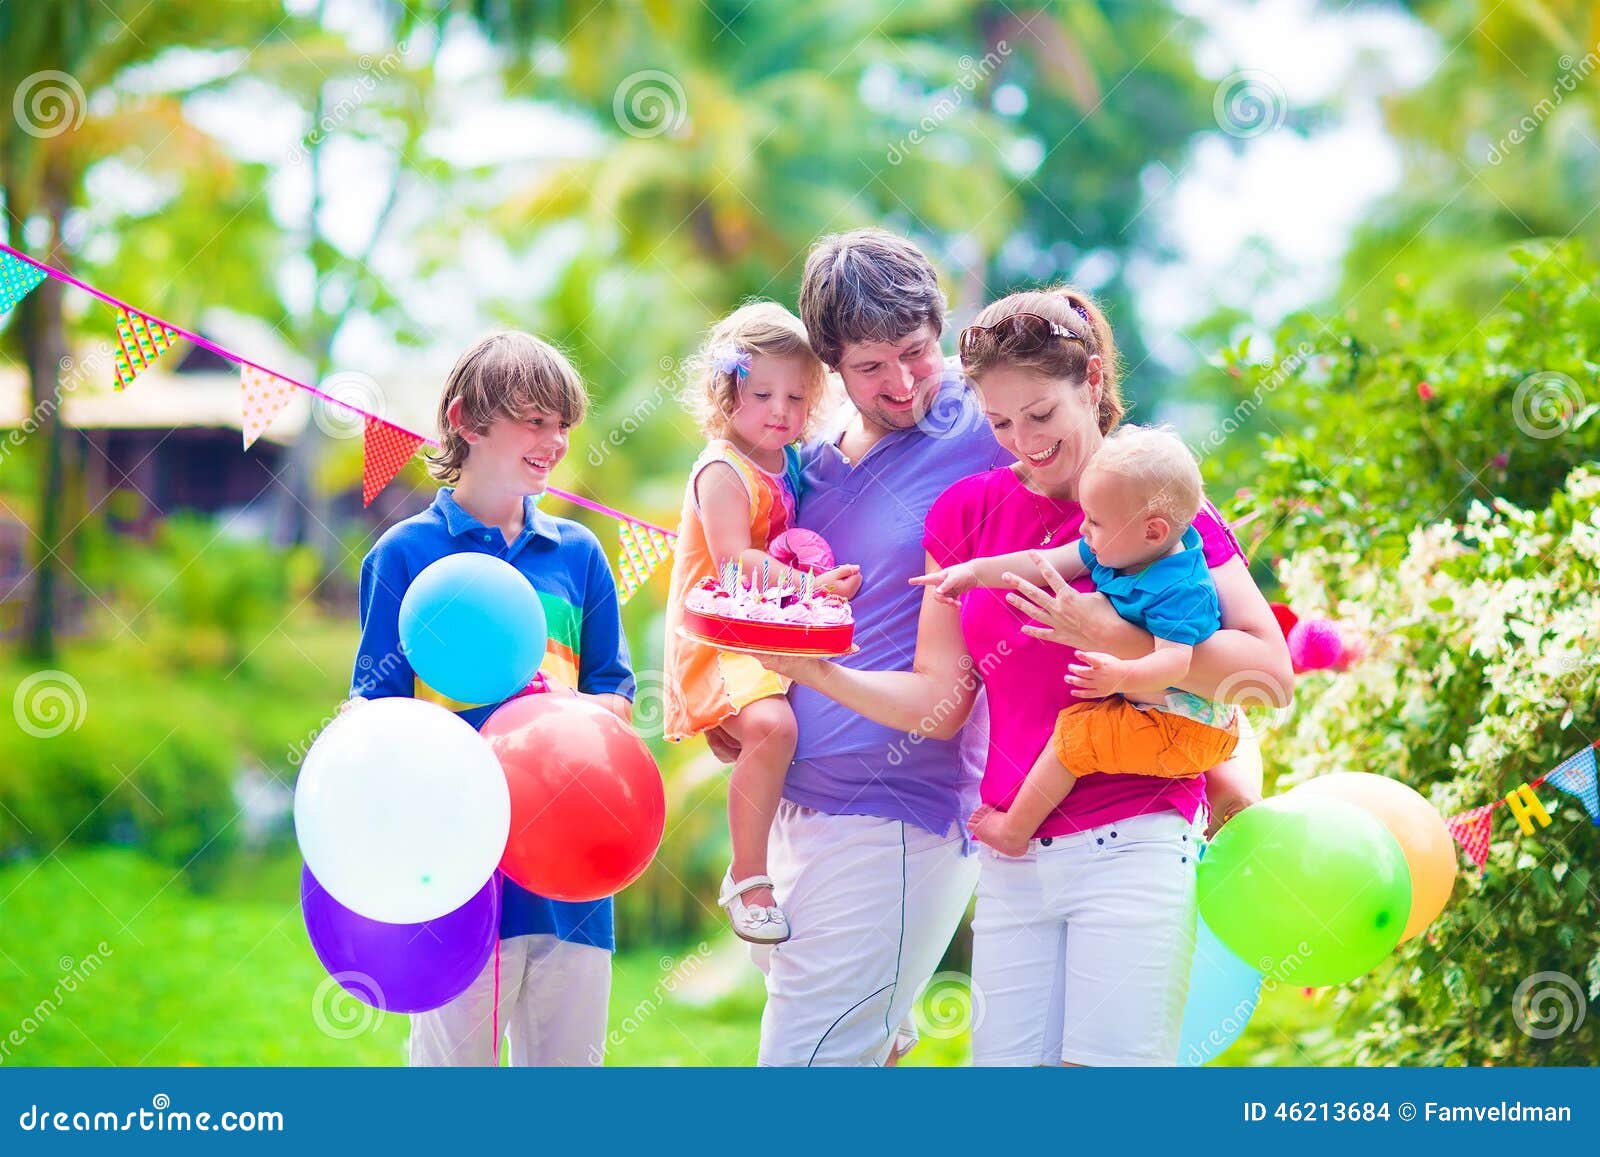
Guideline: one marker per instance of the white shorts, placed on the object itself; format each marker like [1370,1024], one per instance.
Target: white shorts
[873,904]
[553,1001]
[1081,948]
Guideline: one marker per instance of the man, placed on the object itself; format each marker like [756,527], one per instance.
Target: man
[869,852]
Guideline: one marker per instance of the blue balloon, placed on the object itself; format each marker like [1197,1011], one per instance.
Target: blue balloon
[472,628]
[1223,993]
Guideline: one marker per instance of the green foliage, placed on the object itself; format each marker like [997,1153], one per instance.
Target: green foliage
[1479,676]
[1371,425]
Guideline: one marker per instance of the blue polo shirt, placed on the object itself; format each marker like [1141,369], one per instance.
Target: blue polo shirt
[1173,598]
[567,568]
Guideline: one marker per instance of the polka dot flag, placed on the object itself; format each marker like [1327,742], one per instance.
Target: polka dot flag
[140,341]
[262,397]
[1471,830]
[640,551]
[17,280]
[385,449]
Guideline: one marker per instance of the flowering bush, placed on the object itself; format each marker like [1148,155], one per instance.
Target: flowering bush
[1480,674]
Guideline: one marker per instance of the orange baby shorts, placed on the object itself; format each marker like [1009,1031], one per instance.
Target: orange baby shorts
[1115,737]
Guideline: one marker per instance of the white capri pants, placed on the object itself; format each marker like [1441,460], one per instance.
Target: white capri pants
[553,1000]
[873,904]
[1081,948]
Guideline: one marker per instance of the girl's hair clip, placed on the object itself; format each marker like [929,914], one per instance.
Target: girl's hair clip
[1081,312]
[729,358]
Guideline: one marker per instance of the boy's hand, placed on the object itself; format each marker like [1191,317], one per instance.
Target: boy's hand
[1098,675]
[949,583]
[349,703]
[844,581]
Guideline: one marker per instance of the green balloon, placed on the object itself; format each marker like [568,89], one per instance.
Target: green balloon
[1306,889]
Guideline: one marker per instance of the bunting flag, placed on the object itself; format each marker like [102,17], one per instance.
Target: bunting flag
[140,341]
[384,450]
[1471,831]
[1576,776]
[262,397]
[17,280]
[641,549]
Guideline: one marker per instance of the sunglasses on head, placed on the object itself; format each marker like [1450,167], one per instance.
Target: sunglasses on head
[1021,333]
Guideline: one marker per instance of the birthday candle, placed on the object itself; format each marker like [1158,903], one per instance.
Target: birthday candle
[766,573]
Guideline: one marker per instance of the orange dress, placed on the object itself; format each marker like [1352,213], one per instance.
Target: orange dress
[704,686]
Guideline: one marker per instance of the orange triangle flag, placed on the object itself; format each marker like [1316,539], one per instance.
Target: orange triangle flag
[385,449]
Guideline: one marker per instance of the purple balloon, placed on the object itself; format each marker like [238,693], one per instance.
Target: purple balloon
[402,967]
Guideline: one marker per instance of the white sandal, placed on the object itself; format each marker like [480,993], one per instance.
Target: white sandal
[758,923]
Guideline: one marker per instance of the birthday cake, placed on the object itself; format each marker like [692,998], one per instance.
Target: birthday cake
[732,611]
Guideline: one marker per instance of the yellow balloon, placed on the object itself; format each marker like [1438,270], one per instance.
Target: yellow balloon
[1415,824]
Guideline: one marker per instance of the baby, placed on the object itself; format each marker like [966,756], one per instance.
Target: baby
[1140,494]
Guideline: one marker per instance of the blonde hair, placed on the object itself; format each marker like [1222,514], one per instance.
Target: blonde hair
[761,328]
[504,375]
[1066,359]
[1161,467]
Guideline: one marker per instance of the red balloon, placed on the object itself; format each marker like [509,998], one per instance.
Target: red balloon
[587,805]
[1286,618]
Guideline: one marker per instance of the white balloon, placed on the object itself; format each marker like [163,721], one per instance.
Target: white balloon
[401,810]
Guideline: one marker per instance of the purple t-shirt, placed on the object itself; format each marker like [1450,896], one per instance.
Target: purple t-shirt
[872,514]
[994,513]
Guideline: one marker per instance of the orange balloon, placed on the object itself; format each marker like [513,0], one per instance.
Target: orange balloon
[1415,824]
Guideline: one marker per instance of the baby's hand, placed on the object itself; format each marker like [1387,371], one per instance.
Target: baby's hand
[949,583]
[1097,675]
[844,581]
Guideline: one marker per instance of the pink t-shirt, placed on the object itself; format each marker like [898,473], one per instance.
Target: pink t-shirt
[993,513]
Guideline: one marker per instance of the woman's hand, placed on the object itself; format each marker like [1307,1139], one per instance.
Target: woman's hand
[1064,615]
[950,582]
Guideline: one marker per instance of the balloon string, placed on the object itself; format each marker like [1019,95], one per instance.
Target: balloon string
[495,1016]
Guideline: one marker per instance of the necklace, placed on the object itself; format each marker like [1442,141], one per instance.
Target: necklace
[1044,519]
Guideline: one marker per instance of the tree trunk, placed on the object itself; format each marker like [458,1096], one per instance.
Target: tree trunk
[45,346]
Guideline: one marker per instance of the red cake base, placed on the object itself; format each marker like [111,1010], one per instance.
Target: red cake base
[788,638]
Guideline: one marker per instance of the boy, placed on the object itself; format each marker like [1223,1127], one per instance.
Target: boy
[504,419]
[1140,494]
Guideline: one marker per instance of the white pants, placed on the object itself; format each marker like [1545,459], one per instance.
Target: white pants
[553,1001]
[1081,948]
[873,904]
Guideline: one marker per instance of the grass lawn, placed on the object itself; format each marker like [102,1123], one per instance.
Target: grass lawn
[228,978]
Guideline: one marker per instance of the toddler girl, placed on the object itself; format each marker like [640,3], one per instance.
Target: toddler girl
[759,389]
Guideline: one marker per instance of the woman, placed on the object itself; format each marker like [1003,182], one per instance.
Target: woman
[1082,946]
